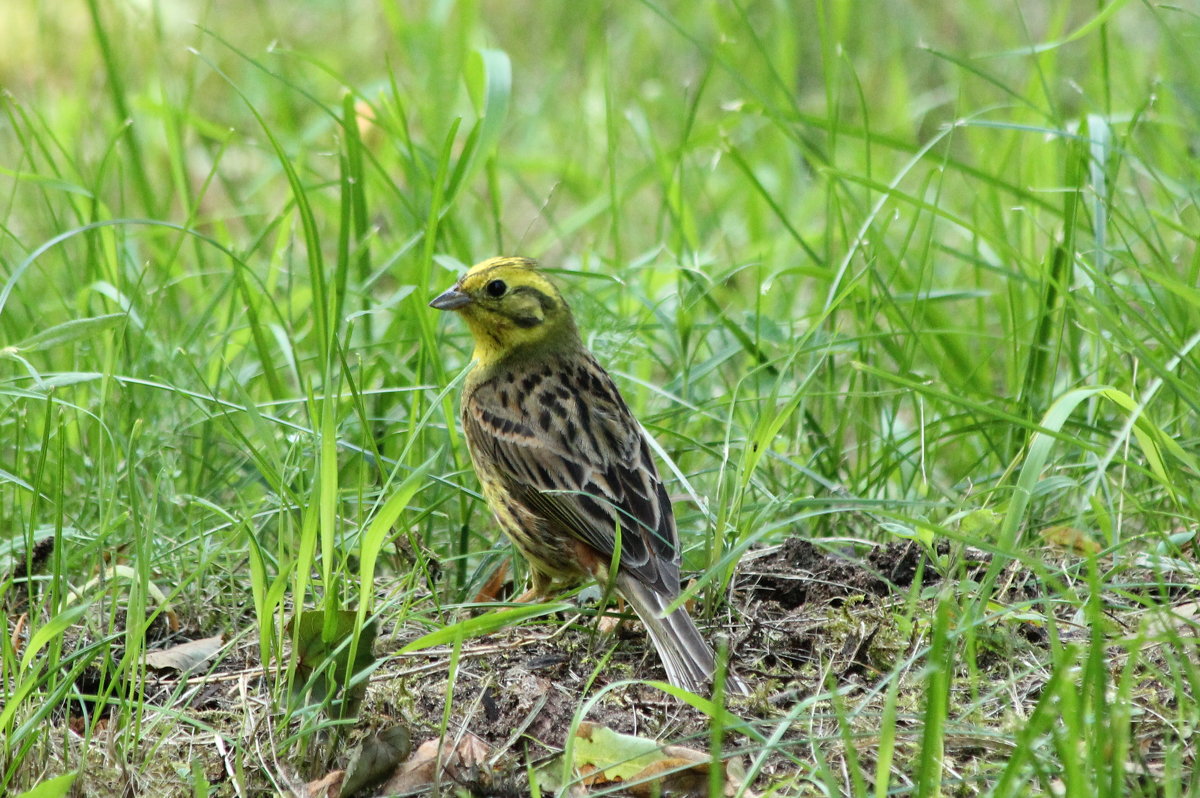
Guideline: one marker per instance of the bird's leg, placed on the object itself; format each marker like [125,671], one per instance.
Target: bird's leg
[537,591]
[532,594]
[491,589]
[611,622]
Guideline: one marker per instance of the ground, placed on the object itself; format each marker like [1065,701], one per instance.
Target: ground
[811,623]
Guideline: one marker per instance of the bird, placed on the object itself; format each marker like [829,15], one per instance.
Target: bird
[565,467]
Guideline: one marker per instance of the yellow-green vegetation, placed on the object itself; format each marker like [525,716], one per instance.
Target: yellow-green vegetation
[914,282]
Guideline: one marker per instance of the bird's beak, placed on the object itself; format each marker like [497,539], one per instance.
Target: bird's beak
[451,299]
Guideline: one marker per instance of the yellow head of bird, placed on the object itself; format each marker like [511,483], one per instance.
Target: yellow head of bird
[509,306]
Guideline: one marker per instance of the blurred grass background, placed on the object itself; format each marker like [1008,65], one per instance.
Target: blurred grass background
[840,256]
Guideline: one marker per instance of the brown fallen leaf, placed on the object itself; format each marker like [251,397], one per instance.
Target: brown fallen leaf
[677,776]
[18,634]
[417,771]
[422,768]
[735,778]
[185,656]
[328,786]
[472,752]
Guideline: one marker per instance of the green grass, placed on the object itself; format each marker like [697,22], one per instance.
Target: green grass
[866,271]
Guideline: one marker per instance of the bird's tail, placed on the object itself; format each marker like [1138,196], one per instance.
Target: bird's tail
[688,659]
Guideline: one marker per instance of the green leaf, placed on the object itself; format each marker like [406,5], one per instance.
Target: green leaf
[313,648]
[378,529]
[56,626]
[1152,440]
[489,82]
[323,662]
[70,331]
[1035,461]
[56,787]
[482,624]
[6,476]
[376,759]
[618,756]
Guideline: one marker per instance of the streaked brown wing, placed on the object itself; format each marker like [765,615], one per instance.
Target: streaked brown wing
[568,448]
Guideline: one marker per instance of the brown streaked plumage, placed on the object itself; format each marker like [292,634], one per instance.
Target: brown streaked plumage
[565,467]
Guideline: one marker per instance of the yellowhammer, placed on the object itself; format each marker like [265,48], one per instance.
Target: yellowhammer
[564,465]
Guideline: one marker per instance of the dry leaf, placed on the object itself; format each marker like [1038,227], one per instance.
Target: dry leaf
[675,776]
[18,634]
[328,786]
[184,656]
[421,769]
[735,778]
[417,771]
[472,752]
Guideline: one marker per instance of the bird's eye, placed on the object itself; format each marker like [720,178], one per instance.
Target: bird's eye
[496,288]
